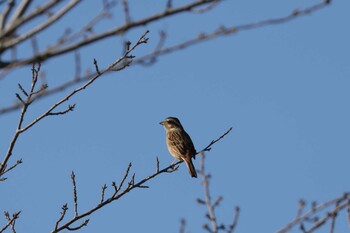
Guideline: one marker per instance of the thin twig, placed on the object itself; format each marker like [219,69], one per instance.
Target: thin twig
[10,220]
[63,213]
[13,25]
[207,8]
[208,148]
[124,178]
[316,209]
[157,165]
[182,226]
[301,208]
[329,216]
[18,162]
[333,218]
[87,29]
[21,9]
[348,211]
[211,206]
[232,227]
[5,14]
[77,65]
[126,11]
[26,103]
[54,18]
[104,187]
[69,109]
[75,196]
[83,224]
[211,209]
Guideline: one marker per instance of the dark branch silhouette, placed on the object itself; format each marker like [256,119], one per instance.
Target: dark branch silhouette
[159,50]
[119,191]
[50,112]
[211,205]
[318,215]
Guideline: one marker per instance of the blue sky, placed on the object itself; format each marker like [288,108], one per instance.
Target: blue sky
[284,89]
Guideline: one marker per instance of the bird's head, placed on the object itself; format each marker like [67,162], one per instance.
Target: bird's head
[171,123]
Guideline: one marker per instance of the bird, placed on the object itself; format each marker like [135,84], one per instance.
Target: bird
[179,143]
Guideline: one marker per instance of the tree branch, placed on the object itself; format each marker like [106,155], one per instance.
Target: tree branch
[11,221]
[20,129]
[151,58]
[210,205]
[117,194]
[26,103]
[113,32]
[14,25]
[10,43]
[5,14]
[340,203]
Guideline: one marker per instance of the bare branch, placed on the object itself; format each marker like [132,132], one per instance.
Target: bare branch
[6,13]
[224,31]
[96,67]
[23,91]
[141,40]
[208,148]
[77,65]
[333,218]
[217,202]
[104,187]
[126,11]
[69,109]
[340,203]
[21,9]
[35,45]
[211,209]
[207,8]
[124,178]
[232,227]
[182,226]
[113,32]
[301,208]
[35,72]
[10,221]
[18,162]
[63,213]
[69,37]
[114,185]
[83,224]
[348,212]
[157,165]
[75,196]
[14,25]
[169,5]
[211,206]
[26,103]
[39,28]
[159,51]
[20,99]
[118,193]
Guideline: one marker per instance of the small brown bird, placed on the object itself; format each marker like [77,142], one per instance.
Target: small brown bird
[179,143]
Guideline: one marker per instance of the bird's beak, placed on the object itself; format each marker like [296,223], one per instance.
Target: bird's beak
[161,123]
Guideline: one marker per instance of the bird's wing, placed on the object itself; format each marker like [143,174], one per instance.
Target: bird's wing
[182,142]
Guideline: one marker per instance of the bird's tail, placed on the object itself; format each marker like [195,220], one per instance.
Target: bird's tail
[190,166]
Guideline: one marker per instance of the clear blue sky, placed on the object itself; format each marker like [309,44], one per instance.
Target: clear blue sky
[284,89]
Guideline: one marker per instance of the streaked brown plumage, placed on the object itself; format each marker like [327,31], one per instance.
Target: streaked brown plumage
[179,143]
